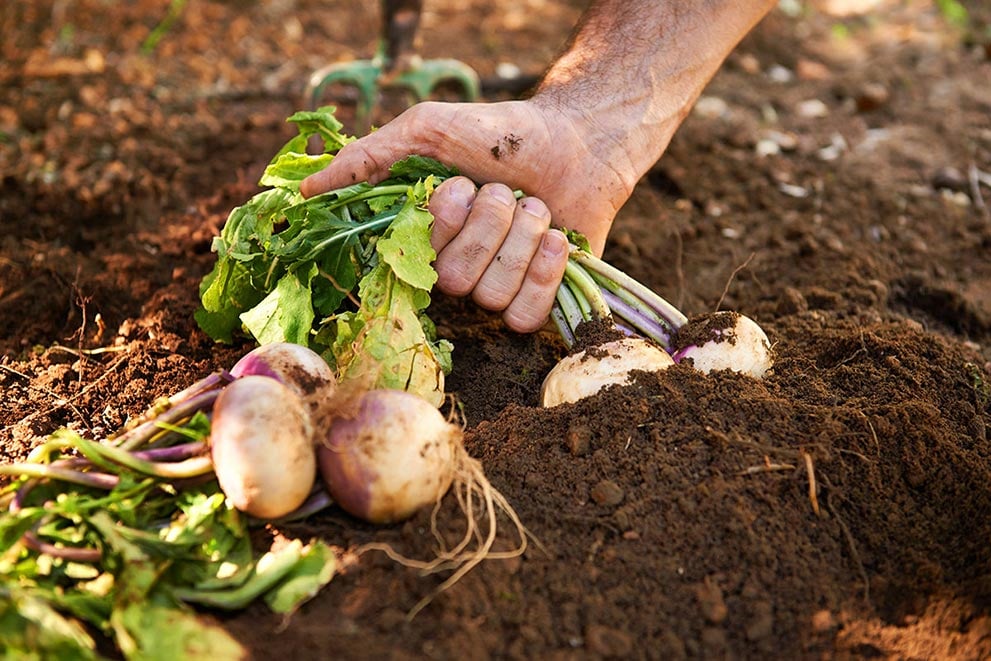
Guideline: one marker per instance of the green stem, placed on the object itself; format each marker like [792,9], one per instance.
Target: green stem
[589,290]
[166,470]
[86,479]
[674,318]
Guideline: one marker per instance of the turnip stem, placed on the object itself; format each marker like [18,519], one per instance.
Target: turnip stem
[590,291]
[642,323]
[561,321]
[143,433]
[593,264]
[82,478]
[98,452]
[173,453]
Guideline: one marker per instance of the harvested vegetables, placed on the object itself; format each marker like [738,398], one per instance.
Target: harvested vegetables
[120,536]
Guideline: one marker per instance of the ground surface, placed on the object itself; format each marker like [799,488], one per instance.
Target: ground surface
[826,186]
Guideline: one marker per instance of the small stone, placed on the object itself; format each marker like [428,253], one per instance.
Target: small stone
[579,440]
[813,109]
[711,107]
[949,178]
[607,493]
[823,621]
[812,70]
[872,96]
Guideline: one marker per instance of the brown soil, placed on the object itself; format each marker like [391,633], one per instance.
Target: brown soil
[837,509]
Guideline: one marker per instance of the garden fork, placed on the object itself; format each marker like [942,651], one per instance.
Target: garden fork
[395,65]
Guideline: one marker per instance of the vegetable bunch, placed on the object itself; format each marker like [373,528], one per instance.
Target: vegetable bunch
[347,273]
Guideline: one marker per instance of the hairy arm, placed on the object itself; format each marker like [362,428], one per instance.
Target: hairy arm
[631,73]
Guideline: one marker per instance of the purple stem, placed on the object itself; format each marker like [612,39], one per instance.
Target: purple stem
[179,452]
[635,318]
[140,435]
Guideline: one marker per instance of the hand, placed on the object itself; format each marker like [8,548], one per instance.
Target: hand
[499,250]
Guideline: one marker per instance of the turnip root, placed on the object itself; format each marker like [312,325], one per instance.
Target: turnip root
[298,367]
[396,455]
[262,446]
[585,373]
[725,341]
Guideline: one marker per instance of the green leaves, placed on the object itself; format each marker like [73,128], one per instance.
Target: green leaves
[152,550]
[347,273]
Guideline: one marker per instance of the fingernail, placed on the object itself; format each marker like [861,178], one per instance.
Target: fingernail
[554,243]
[534,207]
[503,194]
[463,192]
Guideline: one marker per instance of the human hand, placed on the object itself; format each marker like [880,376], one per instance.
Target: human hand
[501,251]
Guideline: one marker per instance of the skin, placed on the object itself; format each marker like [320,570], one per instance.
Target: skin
[602,116]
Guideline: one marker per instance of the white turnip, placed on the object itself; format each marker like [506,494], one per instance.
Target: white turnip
[593,291]
[724,341]
[262,446]
[585,373]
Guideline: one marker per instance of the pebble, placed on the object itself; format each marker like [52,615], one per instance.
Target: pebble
[711,107]
[579,440]
[813,109]
[872,96]
[607,493]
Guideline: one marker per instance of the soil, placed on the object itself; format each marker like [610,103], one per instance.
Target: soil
[828,185]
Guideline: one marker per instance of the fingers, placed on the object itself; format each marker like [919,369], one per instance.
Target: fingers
[500,251]
[356,161]
[533,302]
[461,263]
[505,274]
[450,205]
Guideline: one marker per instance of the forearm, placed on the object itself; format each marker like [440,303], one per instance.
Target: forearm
[634,68]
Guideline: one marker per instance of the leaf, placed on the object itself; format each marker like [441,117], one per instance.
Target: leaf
[286,314]
[31,628]
[406,247]
[314,570]
[420,167]
[290,168]
[383,344]
[317,122]
[168,634]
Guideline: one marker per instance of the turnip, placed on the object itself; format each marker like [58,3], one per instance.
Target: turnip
[262,446]
[725,341]
[396,455]
[585,373]
[298,367]
[594,291]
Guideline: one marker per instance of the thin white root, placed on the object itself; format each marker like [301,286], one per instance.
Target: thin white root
[470,486]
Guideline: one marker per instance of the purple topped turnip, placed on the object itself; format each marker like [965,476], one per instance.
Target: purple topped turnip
[594,291]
